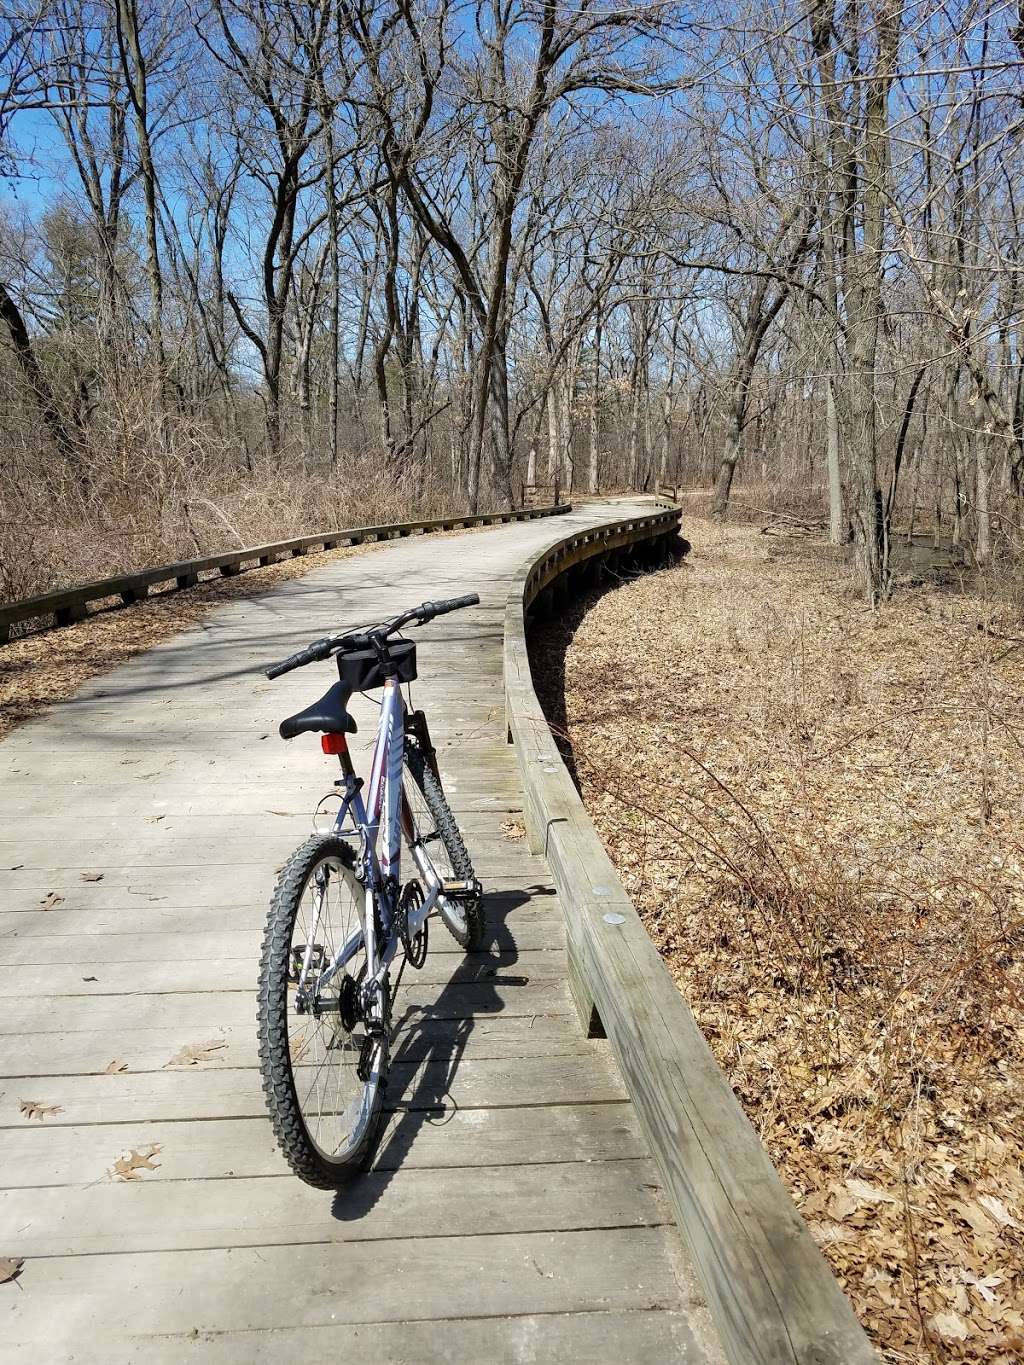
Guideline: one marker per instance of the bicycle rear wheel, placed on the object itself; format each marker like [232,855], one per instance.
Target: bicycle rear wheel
[444,847]
[324,1070]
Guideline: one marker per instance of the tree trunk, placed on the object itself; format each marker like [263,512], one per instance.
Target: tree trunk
[37,381]
[595,400]
[634,426]
[727,467]
[838,528]
[554,442]
[136,78]
[983,545]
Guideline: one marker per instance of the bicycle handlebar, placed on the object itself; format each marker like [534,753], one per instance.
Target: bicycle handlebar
[363,639]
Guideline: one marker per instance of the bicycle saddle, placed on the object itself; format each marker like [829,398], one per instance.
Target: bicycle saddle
[329,714]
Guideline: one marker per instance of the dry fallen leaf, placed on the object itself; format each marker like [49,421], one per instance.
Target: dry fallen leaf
[131,1166]
[513,830]
[114,1067]
[862,1190]
[51,900]
[949,1326]
[980,1222]
[33,1109]
[92,876]
[985,1285]
[842,1204]
[10,1268]
[196,1053]
[999,1211]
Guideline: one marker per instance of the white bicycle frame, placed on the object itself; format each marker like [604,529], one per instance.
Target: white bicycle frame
[385,814]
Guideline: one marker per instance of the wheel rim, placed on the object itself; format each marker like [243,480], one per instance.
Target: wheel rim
[453,914]
[335,1103]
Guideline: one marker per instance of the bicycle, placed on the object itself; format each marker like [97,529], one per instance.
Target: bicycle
[340,915]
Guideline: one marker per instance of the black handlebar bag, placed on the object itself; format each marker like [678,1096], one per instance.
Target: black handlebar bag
[361,669]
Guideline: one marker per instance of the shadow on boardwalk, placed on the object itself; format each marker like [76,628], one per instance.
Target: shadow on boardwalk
[433,1040]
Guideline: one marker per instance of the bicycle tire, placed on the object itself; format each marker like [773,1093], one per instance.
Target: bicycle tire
[467,928]
[307,1159]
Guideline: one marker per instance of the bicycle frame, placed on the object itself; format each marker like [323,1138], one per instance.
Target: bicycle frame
[382,817]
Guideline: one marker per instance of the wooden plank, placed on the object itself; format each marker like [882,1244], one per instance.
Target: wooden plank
[89,1051]
[179,829]
[120,940]
[65,1300]
[220,1092]
[156,1214]
[100,976]
[513,919]
[41,1155]
[208,1009]
[638,1336]
[212,888]
[230,959]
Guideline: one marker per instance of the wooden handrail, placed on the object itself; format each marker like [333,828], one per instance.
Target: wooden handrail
[769,1289]
[67,605]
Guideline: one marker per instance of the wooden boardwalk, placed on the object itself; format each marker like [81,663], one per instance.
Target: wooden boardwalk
[513,1213]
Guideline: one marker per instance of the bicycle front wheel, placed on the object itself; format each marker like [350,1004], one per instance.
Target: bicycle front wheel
[324,1069]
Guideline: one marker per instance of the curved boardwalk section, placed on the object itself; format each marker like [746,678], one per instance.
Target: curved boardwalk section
[771,1294]
[514,1213]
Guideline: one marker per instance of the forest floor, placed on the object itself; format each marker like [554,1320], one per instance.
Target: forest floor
[817,810]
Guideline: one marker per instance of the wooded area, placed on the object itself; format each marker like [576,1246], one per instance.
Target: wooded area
[265,264]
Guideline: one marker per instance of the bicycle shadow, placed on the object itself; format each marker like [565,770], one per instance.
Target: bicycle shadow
[431,1040]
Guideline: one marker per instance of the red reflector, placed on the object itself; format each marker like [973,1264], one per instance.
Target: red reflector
[334,744]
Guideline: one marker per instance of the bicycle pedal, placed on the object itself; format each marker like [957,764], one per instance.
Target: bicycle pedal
[317,960]
[469,890]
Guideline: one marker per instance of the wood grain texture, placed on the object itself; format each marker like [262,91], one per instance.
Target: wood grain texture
[770,1291]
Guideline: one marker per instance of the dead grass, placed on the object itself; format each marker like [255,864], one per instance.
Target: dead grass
[141,510]
[46,667]
[817,810]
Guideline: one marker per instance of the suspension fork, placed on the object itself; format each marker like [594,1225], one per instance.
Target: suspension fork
[416,725]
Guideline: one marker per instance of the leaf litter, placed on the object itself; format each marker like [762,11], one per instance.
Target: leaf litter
[816,808]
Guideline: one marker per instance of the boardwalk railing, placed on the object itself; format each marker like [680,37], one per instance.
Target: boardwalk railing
[71,604]
[768,1287]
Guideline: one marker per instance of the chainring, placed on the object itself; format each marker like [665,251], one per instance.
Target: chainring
[416,946]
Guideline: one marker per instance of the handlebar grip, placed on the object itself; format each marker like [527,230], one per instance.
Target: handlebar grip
[285,666]
[431,609]
[319,649]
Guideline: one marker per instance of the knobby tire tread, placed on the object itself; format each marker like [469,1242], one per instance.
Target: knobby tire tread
[273,1014]
[462,865]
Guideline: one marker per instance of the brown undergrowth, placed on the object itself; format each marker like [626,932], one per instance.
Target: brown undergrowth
[817,810]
